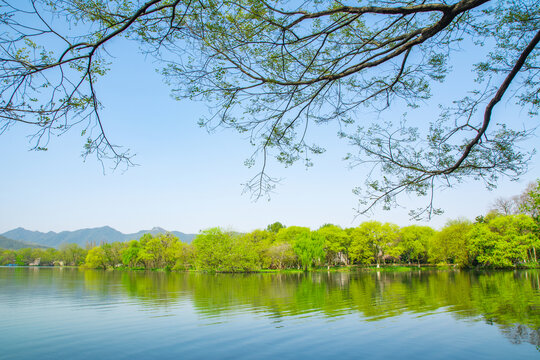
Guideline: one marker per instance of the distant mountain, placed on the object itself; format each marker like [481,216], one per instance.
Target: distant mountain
[11,244]
[81,237]
[105,234]
[187,238]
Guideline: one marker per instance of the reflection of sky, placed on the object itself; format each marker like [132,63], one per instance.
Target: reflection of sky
[92,315]
[189,180]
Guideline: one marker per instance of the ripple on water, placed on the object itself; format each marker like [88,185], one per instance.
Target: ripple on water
[48,313]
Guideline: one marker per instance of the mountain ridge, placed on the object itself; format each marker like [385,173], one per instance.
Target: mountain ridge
[82,237]
[11,244]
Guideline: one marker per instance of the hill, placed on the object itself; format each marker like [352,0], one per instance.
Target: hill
[187,238]
[11,244]
[82,237]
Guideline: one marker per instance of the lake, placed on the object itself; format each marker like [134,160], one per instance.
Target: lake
[49,313]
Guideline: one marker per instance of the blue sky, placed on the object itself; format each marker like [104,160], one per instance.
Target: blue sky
[187,179]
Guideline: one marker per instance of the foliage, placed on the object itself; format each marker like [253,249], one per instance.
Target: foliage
[275,227]
[271,70]
[530,203]
[113,253]
[309,247]
[281,256]
[96,258]
[262,240]
[290,234]
[360,250]
[377,236]
[130,255]
[7,257]
[159,251]
[494,240]
[72,254]
[336,244]
[504,241]
[212,248]
[414,243]
[451,244]
[245,256]
[183,255]
[216,250]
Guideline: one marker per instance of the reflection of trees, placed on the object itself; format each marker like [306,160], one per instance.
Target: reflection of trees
[519,333]
[146,287]
[510,300]
[503,298]
[156,288]
[507,299]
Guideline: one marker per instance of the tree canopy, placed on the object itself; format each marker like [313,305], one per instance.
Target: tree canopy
[496,240]
[273,69]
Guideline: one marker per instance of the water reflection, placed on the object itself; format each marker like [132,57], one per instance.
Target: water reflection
[510,300]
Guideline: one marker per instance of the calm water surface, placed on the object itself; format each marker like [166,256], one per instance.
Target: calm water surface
[86,314]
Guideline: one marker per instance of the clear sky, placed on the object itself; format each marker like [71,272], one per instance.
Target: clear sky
[187,179]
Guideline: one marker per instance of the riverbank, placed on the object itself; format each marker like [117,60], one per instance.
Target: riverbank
[335,269]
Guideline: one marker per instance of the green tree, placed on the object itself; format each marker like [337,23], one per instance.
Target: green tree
[96,258]
[216,250]
[131,254]
[336,244]
[245,255]
[378,236]
[7,257]
[72,254]
[262,240]
[504,241]
[39,254]
[47,257]
[275,227]
[212,248]
[361,248]
[272,69]
[415,242]
[290,234]
[530,201]
[158,251]
[451,244]
[309,247]
[281,256]
[113,253]
[24,256]
[179,256]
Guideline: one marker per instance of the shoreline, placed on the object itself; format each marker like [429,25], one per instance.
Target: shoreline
[343,269]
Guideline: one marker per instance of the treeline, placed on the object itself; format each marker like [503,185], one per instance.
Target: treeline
[67,254]
[500,239]
[493,241]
